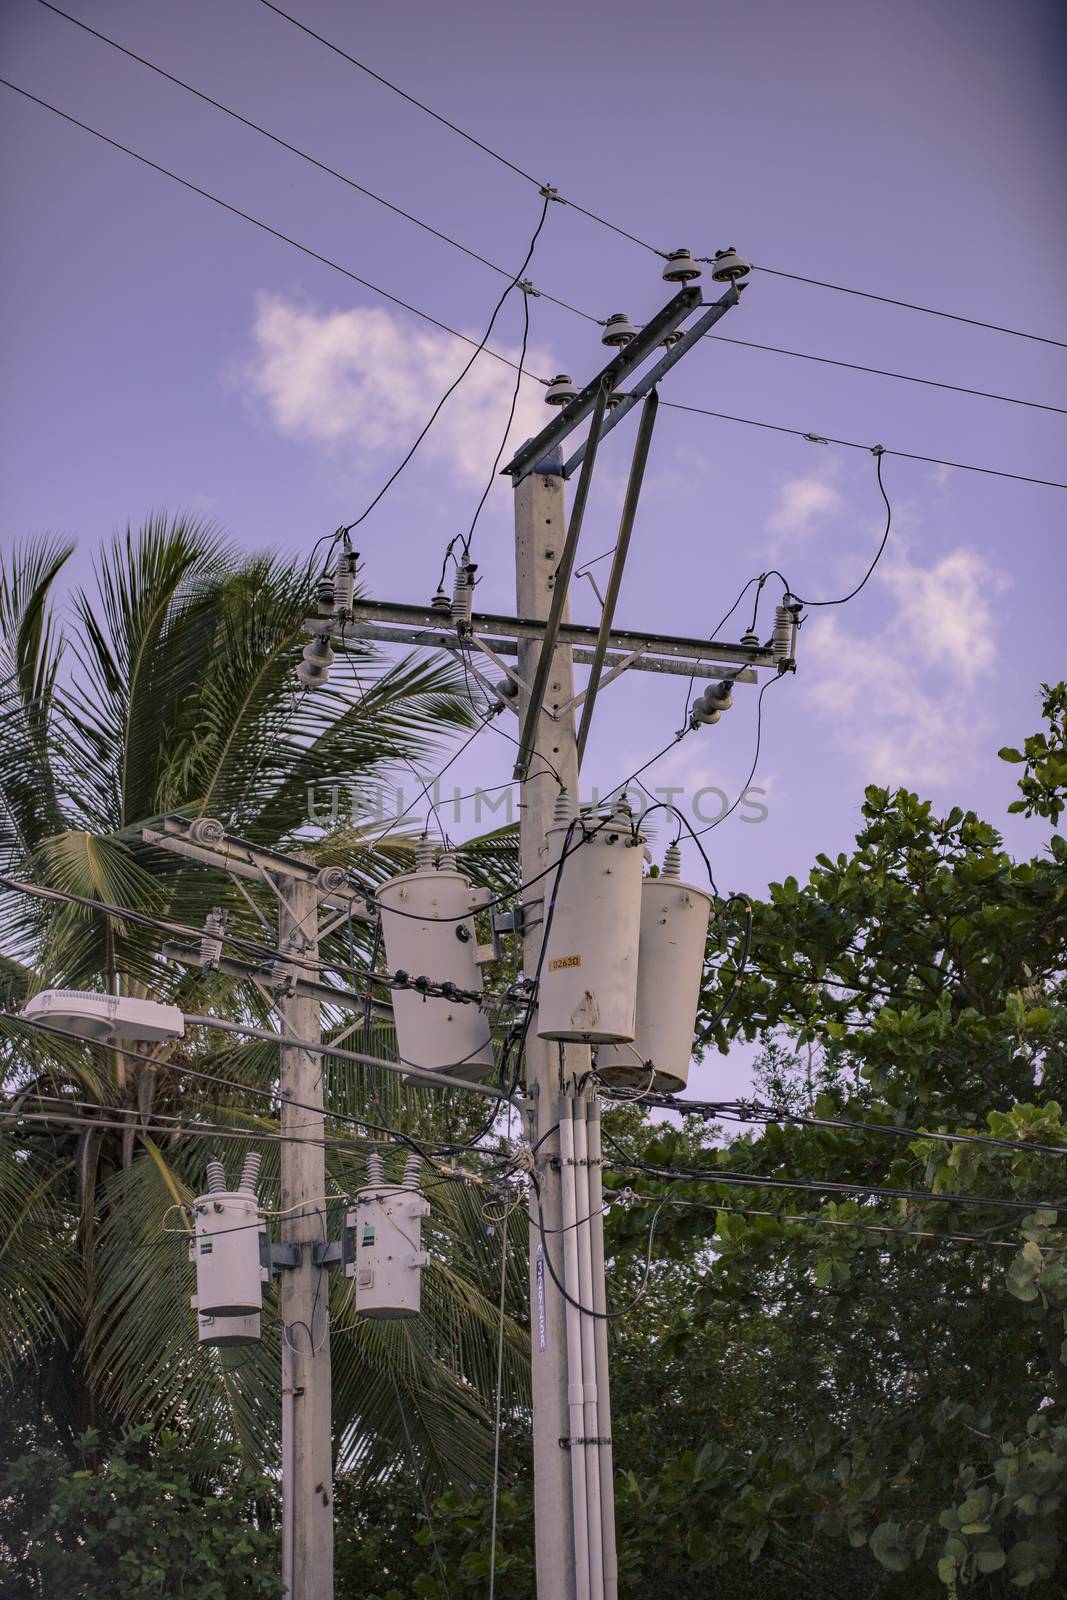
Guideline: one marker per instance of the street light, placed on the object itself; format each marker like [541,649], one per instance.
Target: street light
[106,1018]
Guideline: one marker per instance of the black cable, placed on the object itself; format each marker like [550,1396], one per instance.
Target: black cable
[878,453]
[825,1185]
[882,372]
[435,413]
[755,758]
[304,155]
[587,1311]
[511,409]
[753,1111]
[908,305]
[256,223]
[664,805]
[853,444]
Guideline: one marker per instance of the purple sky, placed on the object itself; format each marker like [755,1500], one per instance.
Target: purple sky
[159,353]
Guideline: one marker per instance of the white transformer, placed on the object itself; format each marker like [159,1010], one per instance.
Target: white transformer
[674,931]
[588,987]
[428,929]
[230,1271]
[384,1251]
[96,1015]
[224,1331]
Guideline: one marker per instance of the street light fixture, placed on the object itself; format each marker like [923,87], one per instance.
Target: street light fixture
[104,1017]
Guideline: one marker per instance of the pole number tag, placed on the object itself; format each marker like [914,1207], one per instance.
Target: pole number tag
[564,961]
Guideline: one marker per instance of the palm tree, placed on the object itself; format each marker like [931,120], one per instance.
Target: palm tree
[170,690]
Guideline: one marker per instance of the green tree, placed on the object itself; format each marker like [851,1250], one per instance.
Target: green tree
[170,689]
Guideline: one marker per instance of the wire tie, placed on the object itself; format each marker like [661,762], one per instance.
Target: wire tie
[877,449]
[551,193]
[816,438]
[527,288]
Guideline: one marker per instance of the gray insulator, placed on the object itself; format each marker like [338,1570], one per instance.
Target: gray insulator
[708,707]
[412,1171]
[375,1169]
[211,938]
[463,596]
[750,640]
[206,830]
[324,594]
[563,811]
[216,1176]
[783,644]
[314,669]
[446,861]
[615,398]
[672,863]
[424,854]
[729,267]
[250,1171]
[440,601]
[621,808]
[331,880]
[618,330]
[680,267]
[344,583]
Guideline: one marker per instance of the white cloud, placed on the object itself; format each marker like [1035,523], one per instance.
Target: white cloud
[366,380]
[802,502]
[901,697]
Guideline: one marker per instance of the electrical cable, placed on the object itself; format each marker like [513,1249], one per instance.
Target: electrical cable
[304,155]
[826,1186]
[840,1222]
[614,227]
[365,283]
[263,226]
[511,410]
[908,305]
[853,444]
[878,453]
[417,1475]
[755,758]
[882,372]
[753,1111]
[588,1311]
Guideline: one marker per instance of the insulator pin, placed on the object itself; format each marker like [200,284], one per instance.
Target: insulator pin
[618,330]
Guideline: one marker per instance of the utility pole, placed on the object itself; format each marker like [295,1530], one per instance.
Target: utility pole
[307,1442]
[540,530]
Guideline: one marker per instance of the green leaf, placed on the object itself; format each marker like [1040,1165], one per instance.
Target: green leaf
[890,1547]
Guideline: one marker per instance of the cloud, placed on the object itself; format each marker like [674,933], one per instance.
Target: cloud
[901,697]
[366,381]
[801,503]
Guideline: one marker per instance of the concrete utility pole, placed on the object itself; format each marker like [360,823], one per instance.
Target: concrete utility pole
[307,1434]
[540,529]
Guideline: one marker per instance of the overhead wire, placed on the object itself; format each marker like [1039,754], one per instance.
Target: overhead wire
[477,345]
[616,228]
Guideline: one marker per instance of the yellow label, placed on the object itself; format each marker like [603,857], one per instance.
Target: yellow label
[564,961]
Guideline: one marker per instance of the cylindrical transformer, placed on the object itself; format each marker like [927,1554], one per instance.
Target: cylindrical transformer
[588,987]
[674,931]
[226,1250]
[222,1331]
[384,1251]
[428,931]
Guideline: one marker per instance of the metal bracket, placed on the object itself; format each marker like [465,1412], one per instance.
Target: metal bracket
[326,1253]
[518,920]
[277,1257]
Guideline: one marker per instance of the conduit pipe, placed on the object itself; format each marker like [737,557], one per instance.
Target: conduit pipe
[575,1394]
[600,1344]
[590,1422]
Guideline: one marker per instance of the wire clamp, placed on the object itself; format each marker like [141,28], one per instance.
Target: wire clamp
[548,192]
[877,449]
[527,287]
[816,438]
[592,1438]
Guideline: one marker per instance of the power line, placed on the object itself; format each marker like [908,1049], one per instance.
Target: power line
[314,161]
[614,227]
[825,1186]
[881,372]
[910,305]
[264,227]
[445,327]
[853,444]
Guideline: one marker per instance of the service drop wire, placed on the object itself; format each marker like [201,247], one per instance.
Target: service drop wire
[878,452]
[588,1311]
[439,407]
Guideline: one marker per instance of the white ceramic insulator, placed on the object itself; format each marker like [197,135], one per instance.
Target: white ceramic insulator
[446,862]
[375,1168]
[388,1255]
[462,597]
[674,931]
[672,864]
[412,1169]
[563,809]
[429,932]
[216,1176]
[211,938]
[226,1252]
[424,853]
[344,583]
[588,988]
[783,644]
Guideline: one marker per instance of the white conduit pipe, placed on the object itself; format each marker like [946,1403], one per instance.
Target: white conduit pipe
[575,1398]
[600,1342]
[590,1424]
